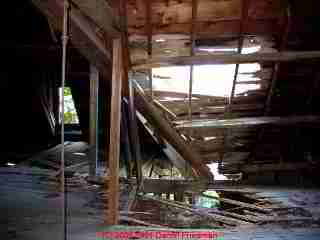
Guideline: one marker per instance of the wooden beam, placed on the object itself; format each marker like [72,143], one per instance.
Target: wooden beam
[93,118]
[227,59]
[84,35]
[212,216]
[114,147]
[244,205]
[173,137]
[246,122]
[102,14]
[125,46]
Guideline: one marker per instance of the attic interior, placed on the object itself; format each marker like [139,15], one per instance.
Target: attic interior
[164,116]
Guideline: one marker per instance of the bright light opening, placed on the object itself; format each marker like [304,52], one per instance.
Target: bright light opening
[10,164]
[214,170]
[160,40]
[211,80]
[70,112]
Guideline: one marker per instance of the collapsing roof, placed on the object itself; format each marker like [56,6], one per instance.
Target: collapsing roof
[274,35]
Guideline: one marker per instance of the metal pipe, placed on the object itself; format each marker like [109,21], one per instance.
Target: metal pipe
[65,39]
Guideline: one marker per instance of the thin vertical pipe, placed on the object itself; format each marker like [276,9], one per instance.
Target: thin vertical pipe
[65,39]
[194,16]
[149,36]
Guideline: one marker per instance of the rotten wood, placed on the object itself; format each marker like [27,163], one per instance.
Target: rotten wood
[214,217]
[173,138]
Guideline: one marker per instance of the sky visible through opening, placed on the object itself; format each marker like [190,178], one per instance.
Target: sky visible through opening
[212,80]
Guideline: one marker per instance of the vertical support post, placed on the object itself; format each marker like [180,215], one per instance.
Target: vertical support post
[114,147]
[93,121]
[65,39]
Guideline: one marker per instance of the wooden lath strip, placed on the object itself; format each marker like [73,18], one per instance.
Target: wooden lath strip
[227,59]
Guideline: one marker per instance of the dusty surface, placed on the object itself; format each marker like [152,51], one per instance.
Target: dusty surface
[30,209]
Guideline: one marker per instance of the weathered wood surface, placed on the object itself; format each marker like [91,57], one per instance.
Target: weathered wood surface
[214,217]
[84,36]
[102,14]
[114,148]
[172,136]
[247,122]
[245,205]
[226,59]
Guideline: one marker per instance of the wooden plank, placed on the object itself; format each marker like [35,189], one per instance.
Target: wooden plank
[93,118]
[140,222]
[114,147]
[173,137]
[102,14]
[214,217]
[244,205]
[226,59]
[171,153]
[247,122]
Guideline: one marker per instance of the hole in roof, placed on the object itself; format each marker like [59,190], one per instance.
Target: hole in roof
[210,80]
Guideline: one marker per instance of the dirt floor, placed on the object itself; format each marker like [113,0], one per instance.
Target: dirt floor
[30,207]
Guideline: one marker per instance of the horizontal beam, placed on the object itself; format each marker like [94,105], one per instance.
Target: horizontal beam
[246,122]
[226,59]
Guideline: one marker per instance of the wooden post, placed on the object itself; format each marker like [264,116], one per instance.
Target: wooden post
[114,147]
[93,123]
